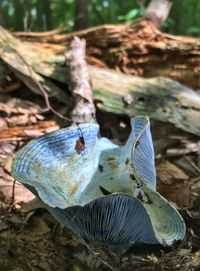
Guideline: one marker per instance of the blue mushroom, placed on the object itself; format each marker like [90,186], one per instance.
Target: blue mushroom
[101,191]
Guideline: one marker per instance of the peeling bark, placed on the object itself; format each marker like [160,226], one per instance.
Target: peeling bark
[79,83]
[137,48]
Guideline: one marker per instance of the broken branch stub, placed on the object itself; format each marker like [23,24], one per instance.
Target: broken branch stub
[79,85]
[158,11]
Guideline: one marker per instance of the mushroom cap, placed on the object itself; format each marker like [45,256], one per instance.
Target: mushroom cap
[102,191]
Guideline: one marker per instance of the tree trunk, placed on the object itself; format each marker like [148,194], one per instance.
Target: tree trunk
[80,14]
[2,21]
[19,15]
[44,15]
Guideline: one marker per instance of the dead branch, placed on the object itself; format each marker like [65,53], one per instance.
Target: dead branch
[158,11]
[79,85]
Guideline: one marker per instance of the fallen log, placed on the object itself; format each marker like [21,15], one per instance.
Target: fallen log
[137,48]
[161,98]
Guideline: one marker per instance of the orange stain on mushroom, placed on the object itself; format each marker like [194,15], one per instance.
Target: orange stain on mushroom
[73,189]
[113,165]
[112,162]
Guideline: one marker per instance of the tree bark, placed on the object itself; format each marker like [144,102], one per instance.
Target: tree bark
[160,98]
[79,82]
[158,11]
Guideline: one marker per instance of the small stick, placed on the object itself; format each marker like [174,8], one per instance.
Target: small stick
[13,194]
[191,163]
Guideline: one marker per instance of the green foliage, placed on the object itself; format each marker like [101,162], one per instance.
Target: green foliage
[131,15]
[193,31]
[42,15]
[62,11]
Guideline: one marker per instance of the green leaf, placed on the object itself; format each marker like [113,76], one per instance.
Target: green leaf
[132,14]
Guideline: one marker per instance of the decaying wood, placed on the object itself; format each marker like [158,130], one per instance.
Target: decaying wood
[22,120]
[41,34]
[79,82]
[16,112]
[162,99]
[18,55]
[137,48]
[28,131]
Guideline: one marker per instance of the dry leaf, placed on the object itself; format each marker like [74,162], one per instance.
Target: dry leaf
[168,173]
[21,193]
[172,184]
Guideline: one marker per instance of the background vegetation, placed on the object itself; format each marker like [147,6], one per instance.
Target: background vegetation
[42,15]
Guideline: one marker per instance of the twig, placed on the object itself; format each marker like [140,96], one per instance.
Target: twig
[191,163]
[101,256]
[13,194]
[198,153]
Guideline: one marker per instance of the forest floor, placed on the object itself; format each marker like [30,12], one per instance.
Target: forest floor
[32,240]
[36,245]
